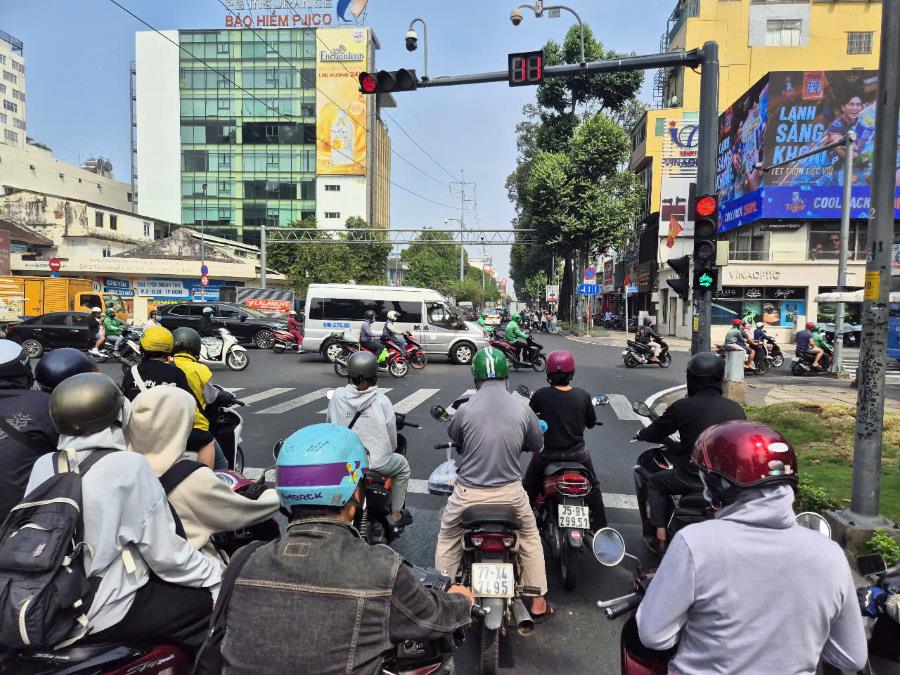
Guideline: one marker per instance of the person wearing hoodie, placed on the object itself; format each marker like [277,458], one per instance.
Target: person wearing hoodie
[152,584]
[161,421]
[361,407]
[751,591]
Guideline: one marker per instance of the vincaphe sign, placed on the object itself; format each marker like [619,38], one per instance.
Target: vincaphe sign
[294,13]
[782,116]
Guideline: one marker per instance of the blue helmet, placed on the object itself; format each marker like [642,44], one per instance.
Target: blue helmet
[320,465]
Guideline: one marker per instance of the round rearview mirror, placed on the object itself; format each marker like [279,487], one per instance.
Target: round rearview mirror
[815,522]
[609,547]
[601,399]
[522,390]
[330,394]
[439,413]
[641,409]
[277,448]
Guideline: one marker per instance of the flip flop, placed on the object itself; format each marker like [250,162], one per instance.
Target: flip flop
[399,525]
[543,617]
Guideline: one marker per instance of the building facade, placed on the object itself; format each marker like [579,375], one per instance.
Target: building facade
[12,91]
[242,128]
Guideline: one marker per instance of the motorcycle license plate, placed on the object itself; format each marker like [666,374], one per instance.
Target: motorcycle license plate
[574,517]
[493,580]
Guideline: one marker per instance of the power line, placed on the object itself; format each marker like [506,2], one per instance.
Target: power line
[258,100]
[416,143]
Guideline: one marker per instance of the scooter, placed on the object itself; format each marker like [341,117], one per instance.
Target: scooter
[416,356]
[285,341]
[802,362]
[231,353]
[761,361]
[268,530]
[392,362]
[226,424]
[531,355]
[773,352]
[129,353]
[638,354]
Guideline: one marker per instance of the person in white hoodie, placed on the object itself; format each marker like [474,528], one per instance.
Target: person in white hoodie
[161,421]
[152,585]
[361,407]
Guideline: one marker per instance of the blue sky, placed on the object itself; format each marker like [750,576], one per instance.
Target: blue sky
[78,54]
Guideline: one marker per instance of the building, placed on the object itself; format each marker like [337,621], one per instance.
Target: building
[273,130]
[754,38]
[12,91]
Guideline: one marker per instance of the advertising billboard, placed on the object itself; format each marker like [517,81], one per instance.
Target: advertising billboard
[673,209]
[340,107]
[680,143]
[804,110]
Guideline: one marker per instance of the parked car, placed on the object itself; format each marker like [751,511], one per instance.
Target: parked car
[50,331]
[247,325]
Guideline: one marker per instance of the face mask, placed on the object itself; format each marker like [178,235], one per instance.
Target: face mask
[707,495]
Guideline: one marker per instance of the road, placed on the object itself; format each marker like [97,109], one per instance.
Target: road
[286,392]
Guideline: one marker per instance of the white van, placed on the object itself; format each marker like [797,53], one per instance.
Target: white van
[433,321]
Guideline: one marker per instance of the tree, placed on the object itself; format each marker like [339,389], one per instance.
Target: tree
[370,260]
[536,287]
[432,265]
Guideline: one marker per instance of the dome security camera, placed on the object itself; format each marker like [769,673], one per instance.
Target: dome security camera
[515,17]
[412,41]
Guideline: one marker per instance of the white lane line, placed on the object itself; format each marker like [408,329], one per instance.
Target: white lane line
[268,393]
[295,402]
[622,407]
[381,390]
[416,398]
[233,389]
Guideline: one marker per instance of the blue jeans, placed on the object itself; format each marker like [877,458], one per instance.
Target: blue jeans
[221,462]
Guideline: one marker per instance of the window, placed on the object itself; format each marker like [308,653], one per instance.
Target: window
[230,312]
[859,42]
[195,160]
[2,59]
[196,310]
[98,219]
[224,104]
[410,311]
[332,188]
[9,77]
[107,253]
[148,229]
[18,67]
[260,189]
[10,135]
[2,88]
[19,124]
[9,105]
[223,48]
[345,309]
[439,315]
[3,118]
[130,197]
[308,189]
[225,160]
[825,241]
[748,243]
[332,214]
[224,188]
[18,95]
[783,32]
[113,222]
[180,310]
[775,307]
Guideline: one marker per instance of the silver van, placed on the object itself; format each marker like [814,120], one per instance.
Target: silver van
[434,322]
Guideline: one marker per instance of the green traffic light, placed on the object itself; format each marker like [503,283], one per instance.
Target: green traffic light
[705,280]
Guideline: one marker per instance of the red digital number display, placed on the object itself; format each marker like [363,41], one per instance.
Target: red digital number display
[526,68]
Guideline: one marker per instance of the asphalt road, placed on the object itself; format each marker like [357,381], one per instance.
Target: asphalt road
[286,392]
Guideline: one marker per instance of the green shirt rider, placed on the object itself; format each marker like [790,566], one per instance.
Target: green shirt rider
[113,328]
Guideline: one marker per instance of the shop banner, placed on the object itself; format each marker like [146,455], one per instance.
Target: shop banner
[680,143]
[178,289]
[121,287]
[4,252]
[269,305]
[673,209]
[342,53]
[608,276]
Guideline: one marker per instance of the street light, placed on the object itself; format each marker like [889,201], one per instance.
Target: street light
[202,239]
[462,249]
[538,8]
[412,40]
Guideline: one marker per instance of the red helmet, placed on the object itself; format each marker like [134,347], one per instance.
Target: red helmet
[737,323]
[746,454]
[560,361]
[810,326]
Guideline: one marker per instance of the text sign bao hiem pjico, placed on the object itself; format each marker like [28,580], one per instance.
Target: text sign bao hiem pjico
[294,13]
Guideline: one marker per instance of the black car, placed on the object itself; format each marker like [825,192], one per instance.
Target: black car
[247,325]
[50,331]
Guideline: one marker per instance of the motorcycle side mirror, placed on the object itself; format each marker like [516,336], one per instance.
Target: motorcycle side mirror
[601,399]
[642,409]
[871,564]
[277,448]
[439,413]
[523,390]
[815,522]
[609,547]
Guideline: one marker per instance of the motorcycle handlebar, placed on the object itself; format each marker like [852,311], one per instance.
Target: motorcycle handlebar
[618,609]
[444,446]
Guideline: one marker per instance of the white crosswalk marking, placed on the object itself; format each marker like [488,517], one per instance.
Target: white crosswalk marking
[233,389]
[622,407]
[383,391]
[414,399]
[263,395]
[295,402]
[891,375]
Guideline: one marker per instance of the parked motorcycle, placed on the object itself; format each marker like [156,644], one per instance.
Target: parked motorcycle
[638,354]
[285,341]
[416,356]
[531,355]
[226,424]
[230,352]
[129,349]
[802,362]
[394,362]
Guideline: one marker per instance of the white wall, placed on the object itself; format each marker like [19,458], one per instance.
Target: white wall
[158,126]
[349,201]
[761,13]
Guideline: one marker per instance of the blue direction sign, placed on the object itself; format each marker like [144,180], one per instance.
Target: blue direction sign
[631,289]
[588,289]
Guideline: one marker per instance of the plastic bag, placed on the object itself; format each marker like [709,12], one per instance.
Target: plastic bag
[443,478]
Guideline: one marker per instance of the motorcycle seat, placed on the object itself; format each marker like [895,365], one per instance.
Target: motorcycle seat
[693,500]
[490,514]
[559,467]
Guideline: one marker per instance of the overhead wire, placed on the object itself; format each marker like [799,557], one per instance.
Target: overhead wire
[416,143]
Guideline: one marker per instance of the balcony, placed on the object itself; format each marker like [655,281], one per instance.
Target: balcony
[686,9]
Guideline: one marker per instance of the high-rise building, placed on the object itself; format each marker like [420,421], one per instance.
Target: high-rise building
[12,91]
[248,127]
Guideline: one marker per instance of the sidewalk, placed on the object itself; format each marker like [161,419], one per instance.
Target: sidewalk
[618,339]
[760,392]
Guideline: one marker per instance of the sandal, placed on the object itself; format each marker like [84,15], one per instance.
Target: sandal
[544,616]
[398,526]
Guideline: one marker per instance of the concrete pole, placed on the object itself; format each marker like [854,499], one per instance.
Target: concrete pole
[202,240]
[864,502]
[262,255]
[837,364]
[462,218]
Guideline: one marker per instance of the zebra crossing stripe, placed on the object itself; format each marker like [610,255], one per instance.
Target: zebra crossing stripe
[413,400]
[380,390]
[295,402]
[268,393]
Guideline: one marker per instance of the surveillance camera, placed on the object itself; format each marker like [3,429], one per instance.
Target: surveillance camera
[412,41]
[515,17]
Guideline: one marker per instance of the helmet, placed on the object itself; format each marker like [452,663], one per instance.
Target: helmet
[516,317]
[743,455]
[157,339]
[737,323]
[61,364]
[705,369]
[14,360]
[110,312]
[760,324]
[292,313]
[320,465]
[370,315]
[85,404]
[208,310]
[490,364]
[96,310]
[647,321]
[810,326]
[361,365]
[393,316]
[186,340]
[560,367]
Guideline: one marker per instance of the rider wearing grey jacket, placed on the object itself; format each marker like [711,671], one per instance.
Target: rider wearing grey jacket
[752,592]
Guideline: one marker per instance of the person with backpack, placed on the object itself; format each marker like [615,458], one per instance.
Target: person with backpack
[161,421]
[26,431]
[186,345]
[148,583]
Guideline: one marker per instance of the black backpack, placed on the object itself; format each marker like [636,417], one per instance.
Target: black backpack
[44,589]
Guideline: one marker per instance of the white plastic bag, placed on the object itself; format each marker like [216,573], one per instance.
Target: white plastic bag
[443,478]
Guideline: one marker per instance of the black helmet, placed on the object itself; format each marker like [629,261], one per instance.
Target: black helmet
[362,365]
[61,364]
[370,315]
[14,361]
[186,340]
[85,404]
[705,370]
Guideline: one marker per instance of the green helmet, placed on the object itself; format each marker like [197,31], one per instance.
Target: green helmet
[516,317]
[110,312]
[490,364]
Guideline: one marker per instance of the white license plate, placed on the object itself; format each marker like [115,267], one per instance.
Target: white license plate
[574,517]
[493,580]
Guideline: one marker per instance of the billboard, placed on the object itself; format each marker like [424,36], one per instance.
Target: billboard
[680,143]
[340,107]
[798,111]
[673,209]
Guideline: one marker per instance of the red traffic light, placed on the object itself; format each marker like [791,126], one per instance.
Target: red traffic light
[705,206]
[368,83]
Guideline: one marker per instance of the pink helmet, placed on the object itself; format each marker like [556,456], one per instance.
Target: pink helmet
[560,361]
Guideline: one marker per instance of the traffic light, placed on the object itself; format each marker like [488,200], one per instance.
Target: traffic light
[706,279]
[706,211]
[388,81]
[681,285]
[525,68]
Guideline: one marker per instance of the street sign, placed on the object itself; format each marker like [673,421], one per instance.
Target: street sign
[631,289]
[204,281]
[588,289]
[590,273]
[54,264]
[204,270]
[55,275]
[552,293]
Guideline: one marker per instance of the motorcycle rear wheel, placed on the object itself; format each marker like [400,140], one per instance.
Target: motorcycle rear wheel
[762,366]
[539,363]
[665,360]
[568,563]
[797,369]
[399,368]
[629,361]
[340,369]
[778,361]
[419,360]
[490,651]
[279,347]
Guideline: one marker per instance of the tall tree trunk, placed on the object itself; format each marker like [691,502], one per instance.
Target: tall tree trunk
[565,290]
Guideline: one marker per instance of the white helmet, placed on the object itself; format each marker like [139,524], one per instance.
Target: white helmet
[208,310]
[292,313]
[760,324]
[393,316]
[96,310]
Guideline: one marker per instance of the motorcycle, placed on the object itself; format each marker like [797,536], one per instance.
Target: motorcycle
[685,509]
[225,424]
[639,354]
[285,341]
[129,353]
[394,362]
[773,352]
[762,361]
[230,352]
[531,355]
[268,530]
[416,356]
[802,362]
[106,658]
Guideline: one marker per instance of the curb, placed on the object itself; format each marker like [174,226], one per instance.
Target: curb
[664,396]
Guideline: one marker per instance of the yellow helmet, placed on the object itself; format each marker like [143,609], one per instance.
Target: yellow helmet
[157,339]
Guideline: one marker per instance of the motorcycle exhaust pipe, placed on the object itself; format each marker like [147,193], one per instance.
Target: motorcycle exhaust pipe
[524,622]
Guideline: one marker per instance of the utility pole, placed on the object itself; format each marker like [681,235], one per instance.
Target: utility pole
[262,254]
[864,502]
[837,365]
[202,239]
[462,219]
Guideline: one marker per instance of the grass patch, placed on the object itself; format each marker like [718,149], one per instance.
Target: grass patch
[823,437]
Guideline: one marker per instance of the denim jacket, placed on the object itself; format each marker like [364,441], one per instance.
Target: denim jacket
[320,600]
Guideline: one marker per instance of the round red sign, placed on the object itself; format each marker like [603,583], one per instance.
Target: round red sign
[54,264]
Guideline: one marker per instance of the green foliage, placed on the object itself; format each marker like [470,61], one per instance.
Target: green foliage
[811,497]
[369,260]
[536,286]
[432,265]
[889,548]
